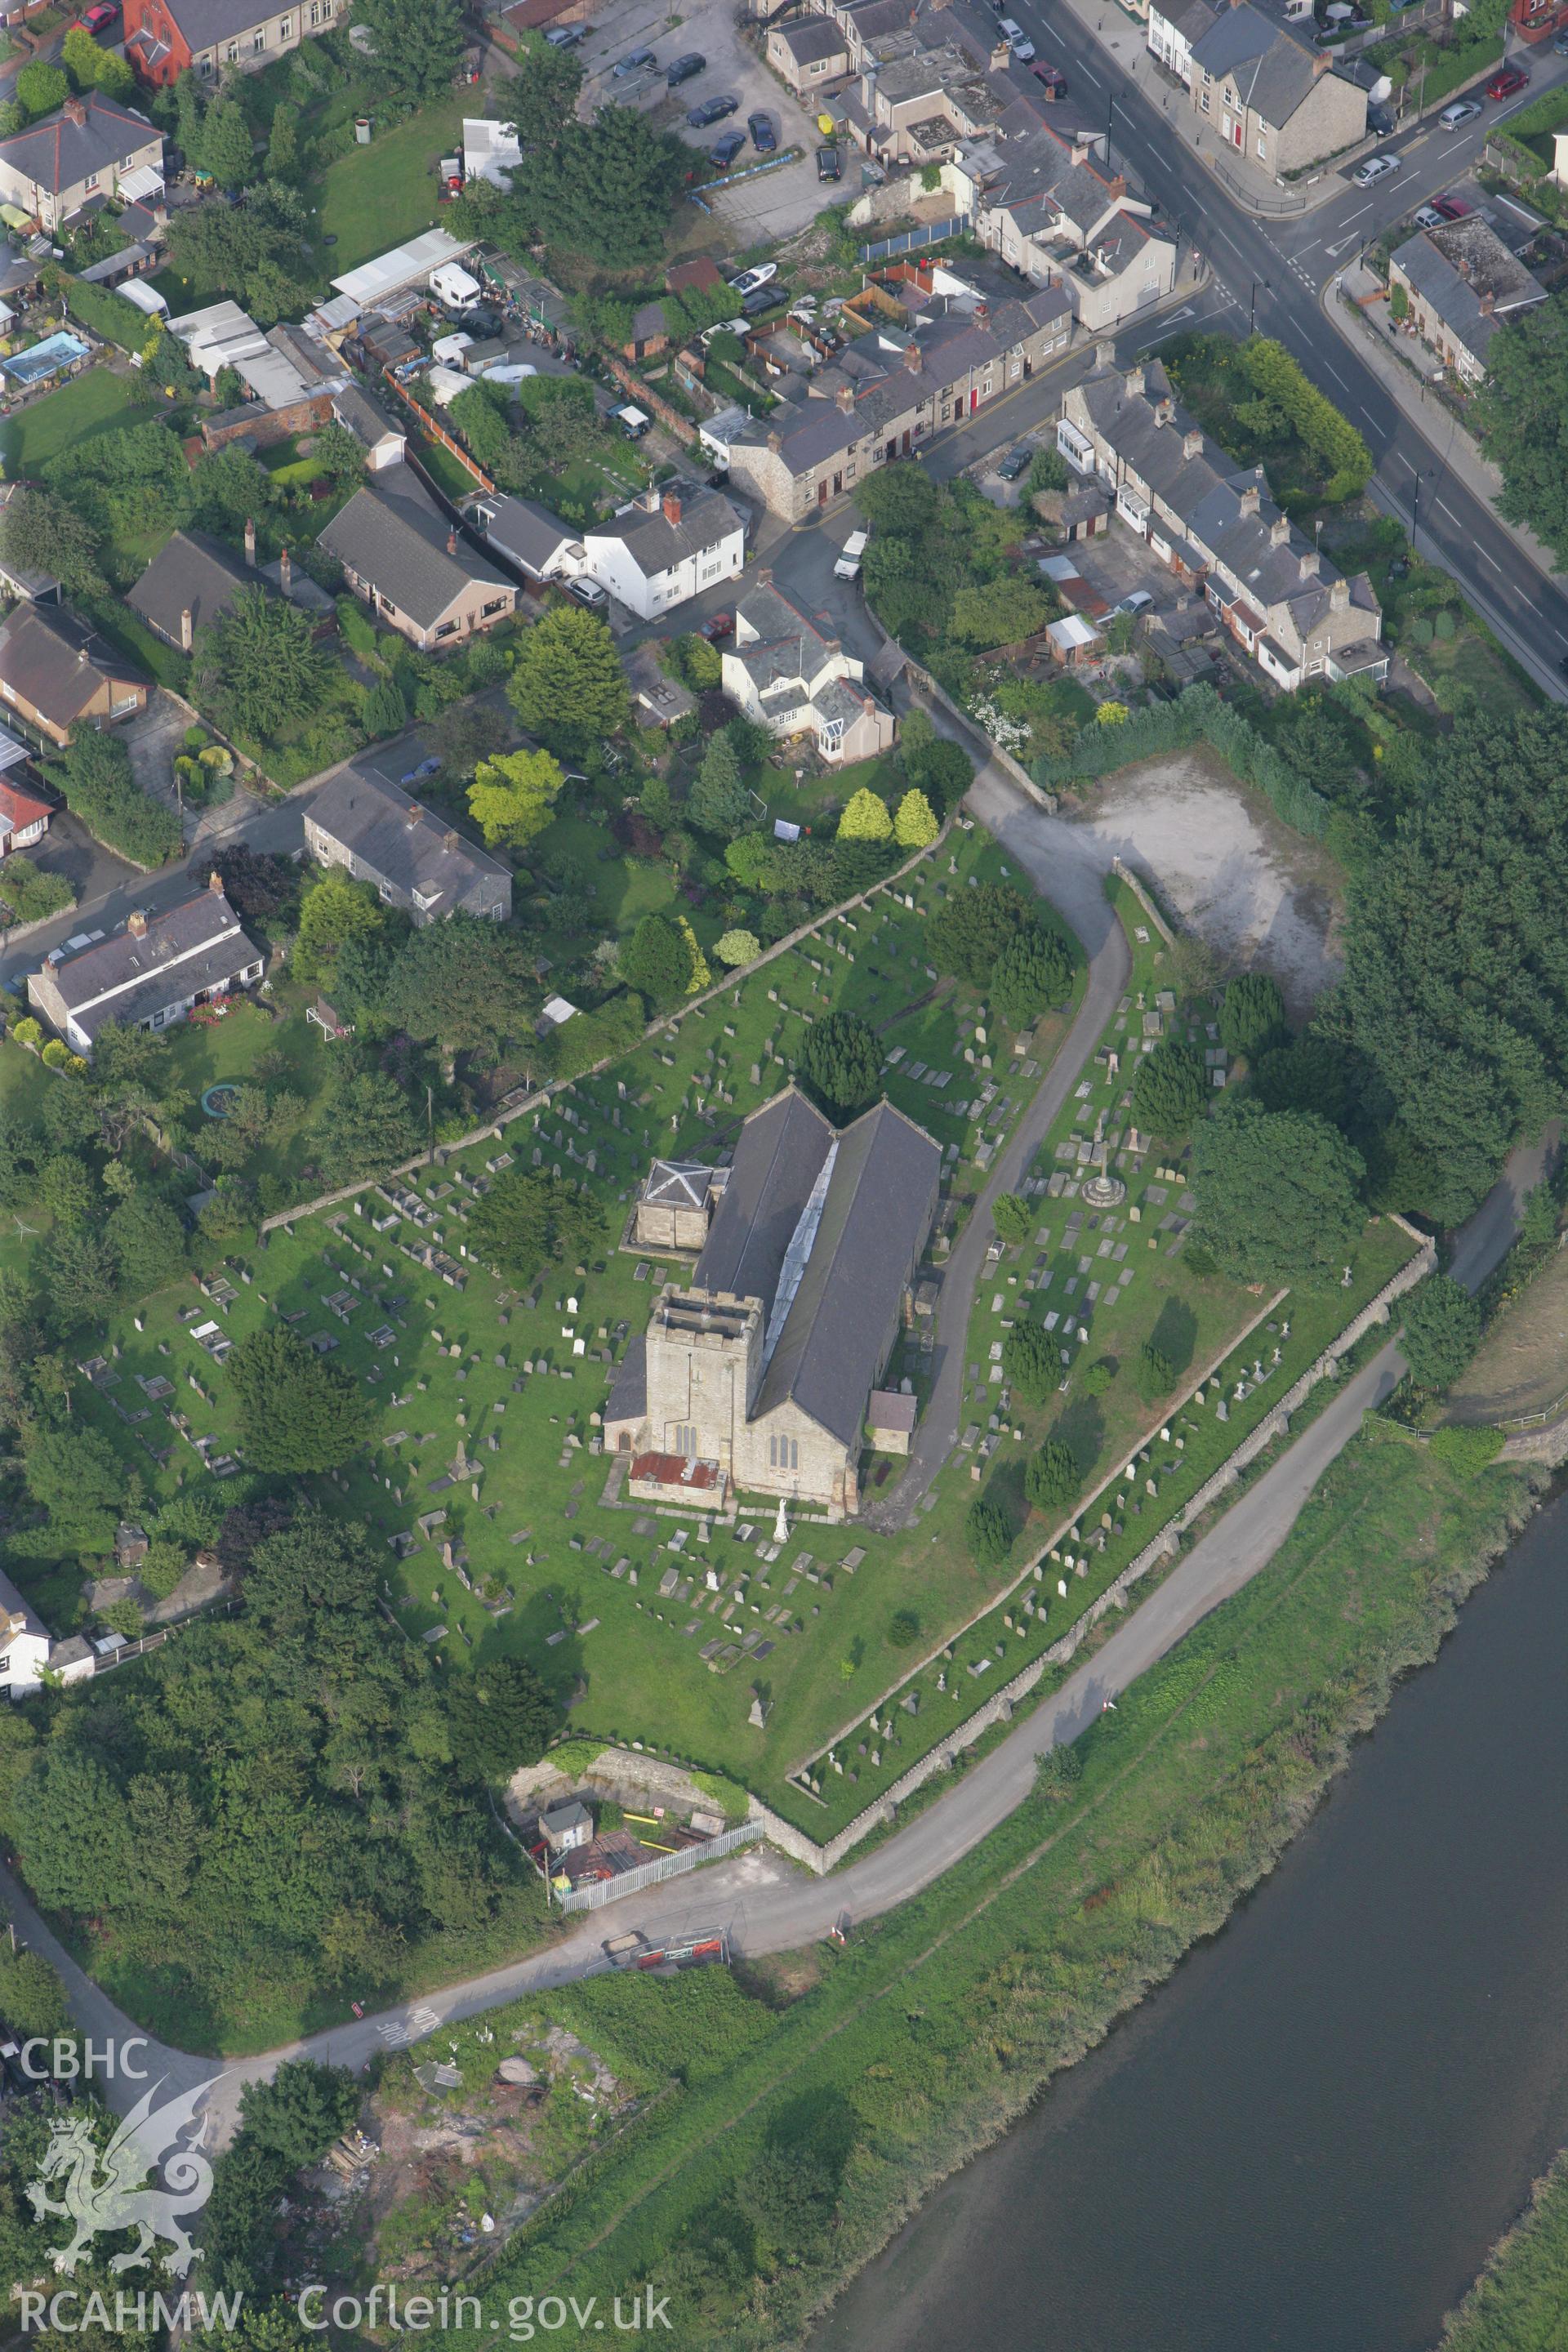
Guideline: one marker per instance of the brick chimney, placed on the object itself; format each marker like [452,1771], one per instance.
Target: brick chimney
[1164,409]
[844,400]
[136,924]
[1191,445]
[250,540]
[1338,595]
[1489,303]
[286,571]
[1279,533]
[913,360]
[1310,564]
[214,883]
[412,819]
[449,841]
[186,631]
[75,112]
[1117,185]
[671,505]
[1134,381]
[1249,499]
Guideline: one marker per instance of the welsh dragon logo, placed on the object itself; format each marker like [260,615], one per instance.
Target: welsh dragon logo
[104,2191]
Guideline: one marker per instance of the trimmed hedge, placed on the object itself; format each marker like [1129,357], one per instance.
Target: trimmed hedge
[109,315]
[1196,716]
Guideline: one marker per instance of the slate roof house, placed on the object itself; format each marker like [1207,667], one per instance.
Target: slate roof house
[364,824]
[84,149]
[784,669]
[151,974]
[384,442]
[411,567]
[164,37]
[1215,525]
[1463,285]
[665,548]
[24,817]
[759,1374]
[58,674]
[529,535]
[1269,94]
[191,581]
[1041,201]
[811,54]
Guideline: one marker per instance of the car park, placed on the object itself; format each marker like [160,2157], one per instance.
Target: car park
[764,137]
[1377,167]
[713,110]
[1504,84]
[1464,110]
[682,68]
[749,280]
[637,61]
[1015,462]
[724,151]
[829,164]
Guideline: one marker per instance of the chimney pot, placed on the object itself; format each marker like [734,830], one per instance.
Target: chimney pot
[1310,561]
[186,630]
[1192,445]
[136,924]
[1118,186]
[912,359]
[1249,499]
[672,506]
[250,540]
[414,814]
[1279,533]
[1338,595]
[74,112]
[214,883]
[1134,381]
[845,400]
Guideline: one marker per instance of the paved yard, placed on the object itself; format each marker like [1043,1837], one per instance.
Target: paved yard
[153,740]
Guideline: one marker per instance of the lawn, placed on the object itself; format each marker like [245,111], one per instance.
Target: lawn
[95,402]
[378,196]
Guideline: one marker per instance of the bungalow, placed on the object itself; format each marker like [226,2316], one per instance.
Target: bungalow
[84,150]
[1215,525]
[151,974]
[785,671]
[191,581]
[528,535]
[417,862]
[24,817]
[409,565]
[57,674]
[1461,286]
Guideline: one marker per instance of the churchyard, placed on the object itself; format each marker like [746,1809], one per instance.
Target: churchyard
[504,1528]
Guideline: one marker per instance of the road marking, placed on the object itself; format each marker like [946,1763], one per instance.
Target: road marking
[1453,517]
[1335,373]
[1400,458]
[1486,559]
[1234,247]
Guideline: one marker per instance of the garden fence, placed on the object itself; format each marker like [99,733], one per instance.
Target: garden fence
[912,240]
[669,1865]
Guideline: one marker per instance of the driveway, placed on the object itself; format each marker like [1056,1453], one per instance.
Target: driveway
[154,739]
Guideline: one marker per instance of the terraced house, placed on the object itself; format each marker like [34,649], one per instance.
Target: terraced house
[165,38]
[1216,526]
[1039,199]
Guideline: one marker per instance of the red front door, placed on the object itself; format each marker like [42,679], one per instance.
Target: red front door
[973,402]
[822,493]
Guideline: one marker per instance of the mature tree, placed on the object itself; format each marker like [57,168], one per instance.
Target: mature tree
[988,1531]
[841,1062]
[938,767]
[44,533]
[1032,971]
[1029,1362]
[74,1832]
[1156,1374]
[866,817]
[1000,613]
[971,927]
[1012,1216]
[1455,983]
[123,1056]
[541,97]
[512,797]
[567,686]
[67,1190]
[254,250]
[1278,1195]
[333,909]
[300,2111]
[468,732]
[230,486]
[257,886]
[339,454]
[1169,1087]
[915,821]
[1252,1014]
[1051,1476]
[899,498]
[656,960]
[74,1473]
[41,88]
[128,482]
[296,1410]
[149,1244]
[1048,471]
[459,985]
[385,709]
[606,189]
[719,801]
[500,1716]
[370,1126]
[1522,415]
[418,43]
[528,1218]
[79,1275]
[262,666]
[33,2000]
[1442,1330]
[228,145]
[737,948]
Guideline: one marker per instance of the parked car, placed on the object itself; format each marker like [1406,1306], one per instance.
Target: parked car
[761,298]
[1139,601]
[99,18]
[848,564]
[1377,167]
[1464,110]
[749,280]
[724,326]
[682,68]
[482,323]
[829,164]
[717,625]
[637,61]
[764,137]
[1450,207]
[1382,121]
[586,592]
[713,110]
[1426,217]
[1504,84]
[565,36]
[1055,81]
[724,151]
[1017,40]
[1015,462]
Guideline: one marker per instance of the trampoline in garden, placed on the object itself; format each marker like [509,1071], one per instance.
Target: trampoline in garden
[44,358]
[219,1101]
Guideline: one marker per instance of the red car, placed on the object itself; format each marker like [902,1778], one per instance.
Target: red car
[717,625]
[1451,207]
[99,18]
[1055,81]
[1504,84]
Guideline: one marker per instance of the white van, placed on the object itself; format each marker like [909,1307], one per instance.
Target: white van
[1017,40]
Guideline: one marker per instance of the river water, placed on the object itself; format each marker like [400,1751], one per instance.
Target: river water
[1309,2139]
